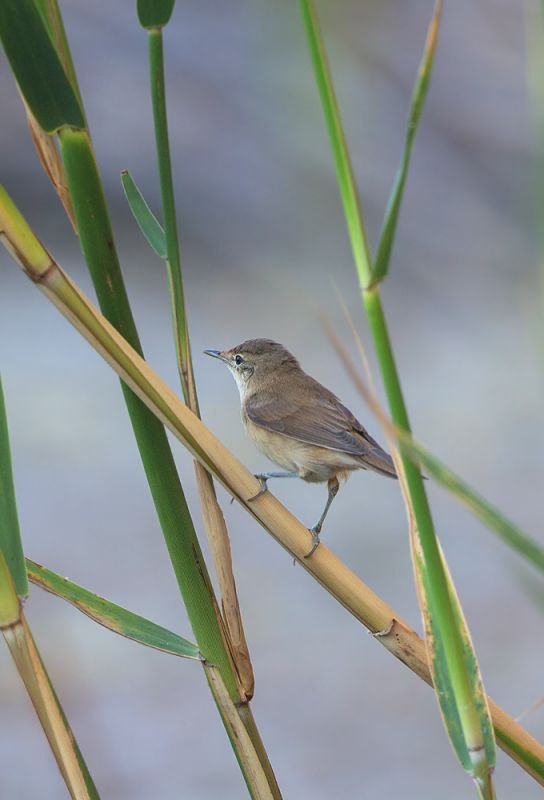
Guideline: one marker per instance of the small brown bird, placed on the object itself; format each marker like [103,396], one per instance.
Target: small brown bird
[298,423]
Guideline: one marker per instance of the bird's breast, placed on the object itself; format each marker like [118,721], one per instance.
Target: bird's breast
[312,463]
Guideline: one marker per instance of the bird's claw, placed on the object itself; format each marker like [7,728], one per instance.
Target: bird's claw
[315,541]
[263,480]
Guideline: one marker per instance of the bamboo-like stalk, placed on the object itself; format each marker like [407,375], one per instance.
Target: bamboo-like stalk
[244,736]
[387,626]
[214,521]
[61,739]
[40,690]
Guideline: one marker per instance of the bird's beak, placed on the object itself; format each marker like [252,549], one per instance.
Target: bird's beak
[215,354]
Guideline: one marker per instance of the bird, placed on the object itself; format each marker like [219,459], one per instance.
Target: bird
[298,423]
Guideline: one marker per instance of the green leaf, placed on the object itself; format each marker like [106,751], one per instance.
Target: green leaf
[10,605]
[112,616]
[419,94]
[479,758]
[147,221]
[155,13]
[50,12]
[342,159]
[37,68]
[494,519]
[10,535]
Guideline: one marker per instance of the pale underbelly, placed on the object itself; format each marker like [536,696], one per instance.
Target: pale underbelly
[310,462]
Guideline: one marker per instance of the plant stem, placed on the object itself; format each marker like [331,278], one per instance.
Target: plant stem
[180,536]
[435,578]
[174,516]
[10,534]
[214,522]
[181,335]
[444,637]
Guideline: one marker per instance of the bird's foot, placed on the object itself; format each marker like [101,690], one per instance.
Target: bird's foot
[263,480]
[315,540]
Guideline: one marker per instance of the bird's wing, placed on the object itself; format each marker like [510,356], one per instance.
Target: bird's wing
[320,419]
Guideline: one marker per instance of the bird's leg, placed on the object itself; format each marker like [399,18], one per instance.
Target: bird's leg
[263,479]
[333,487]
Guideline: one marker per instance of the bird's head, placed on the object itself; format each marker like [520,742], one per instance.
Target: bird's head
[255,363]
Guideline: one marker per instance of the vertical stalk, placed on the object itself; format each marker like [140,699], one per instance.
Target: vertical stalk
[189,566]
[449,648]
[179,317]
[344,169]
[435,578]
[214,521]
[10,533]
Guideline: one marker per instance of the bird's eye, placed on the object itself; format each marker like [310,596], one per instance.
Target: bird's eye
[238,359]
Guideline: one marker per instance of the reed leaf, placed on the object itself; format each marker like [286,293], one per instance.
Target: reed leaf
[478,755]
[147,221]
[478,762]
[10,533]
[387,626]
[419,94]
[173,263]
[346,181]
[52,18]
[154,14]
[471,736]
[10,605]
[510,533]
[37,68]
[110,615]
[448,644]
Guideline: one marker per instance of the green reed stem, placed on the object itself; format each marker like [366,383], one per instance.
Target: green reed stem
[180,535]
[158,97]
[10,534]
[449,650]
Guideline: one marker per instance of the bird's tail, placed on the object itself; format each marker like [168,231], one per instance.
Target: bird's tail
[378,460]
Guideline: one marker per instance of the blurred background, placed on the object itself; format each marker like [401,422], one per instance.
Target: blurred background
[263,239]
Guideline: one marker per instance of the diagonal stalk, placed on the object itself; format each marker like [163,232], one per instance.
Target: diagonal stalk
[386,625]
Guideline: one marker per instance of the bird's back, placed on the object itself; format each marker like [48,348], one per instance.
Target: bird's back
[306,411]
